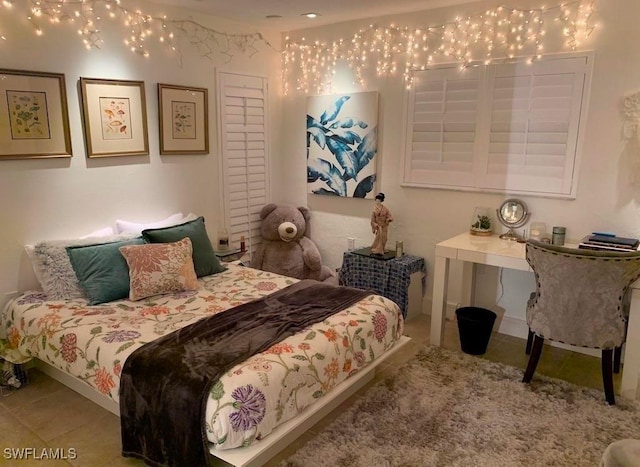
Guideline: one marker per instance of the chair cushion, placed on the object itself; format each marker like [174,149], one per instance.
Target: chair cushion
[580,294]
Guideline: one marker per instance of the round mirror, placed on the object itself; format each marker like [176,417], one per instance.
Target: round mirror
[513,214]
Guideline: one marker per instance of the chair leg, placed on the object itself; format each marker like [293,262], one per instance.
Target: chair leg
[607,375]
[534,358]
[617,354]
[529,342]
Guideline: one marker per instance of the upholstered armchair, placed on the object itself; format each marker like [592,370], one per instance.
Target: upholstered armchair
[581,299]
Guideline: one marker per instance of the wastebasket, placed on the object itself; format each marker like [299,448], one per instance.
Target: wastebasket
[475,326]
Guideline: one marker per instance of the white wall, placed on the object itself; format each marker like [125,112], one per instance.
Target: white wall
[64,198]
[57,198]
[606,199]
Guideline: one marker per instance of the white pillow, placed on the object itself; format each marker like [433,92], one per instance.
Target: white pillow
[53,269]
[137,228]
[104,232]
[188,218]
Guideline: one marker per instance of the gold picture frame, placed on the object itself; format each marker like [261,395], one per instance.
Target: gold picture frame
[114,114]
[34,116]
[183,114]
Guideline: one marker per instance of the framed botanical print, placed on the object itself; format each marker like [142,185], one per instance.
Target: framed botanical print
[115,117]
[34,117]
[183,119]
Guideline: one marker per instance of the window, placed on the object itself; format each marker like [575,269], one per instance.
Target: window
[242,116]
[511,127]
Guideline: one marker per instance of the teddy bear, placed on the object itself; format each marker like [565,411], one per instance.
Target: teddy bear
[286,249]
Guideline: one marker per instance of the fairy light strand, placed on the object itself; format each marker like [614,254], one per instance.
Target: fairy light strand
[140,29]
[501,33]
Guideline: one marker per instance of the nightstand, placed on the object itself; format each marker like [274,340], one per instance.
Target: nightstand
[232,254]
[390,278]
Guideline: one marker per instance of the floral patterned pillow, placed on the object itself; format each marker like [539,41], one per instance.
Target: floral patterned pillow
[159,268]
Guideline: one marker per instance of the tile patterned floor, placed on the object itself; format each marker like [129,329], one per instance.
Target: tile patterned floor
[45,413]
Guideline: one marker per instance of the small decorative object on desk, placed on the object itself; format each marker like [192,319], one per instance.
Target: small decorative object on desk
[538,230]
[380,219]
[481,222]
[557,237]
[513,213]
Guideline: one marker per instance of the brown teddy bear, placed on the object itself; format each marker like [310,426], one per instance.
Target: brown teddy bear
[285,249]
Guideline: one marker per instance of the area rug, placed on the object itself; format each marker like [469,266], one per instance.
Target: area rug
[445,408]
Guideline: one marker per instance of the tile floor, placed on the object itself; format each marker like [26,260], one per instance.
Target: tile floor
[45,413]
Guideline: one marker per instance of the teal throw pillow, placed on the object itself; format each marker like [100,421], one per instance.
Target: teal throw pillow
[205,260]
[102,270]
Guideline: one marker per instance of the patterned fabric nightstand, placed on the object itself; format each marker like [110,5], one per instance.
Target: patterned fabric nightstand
[389,278]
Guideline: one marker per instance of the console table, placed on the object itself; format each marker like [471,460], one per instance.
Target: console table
[389,278]
[493,251]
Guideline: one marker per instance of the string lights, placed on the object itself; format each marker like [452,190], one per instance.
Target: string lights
[502,33]
[140,28]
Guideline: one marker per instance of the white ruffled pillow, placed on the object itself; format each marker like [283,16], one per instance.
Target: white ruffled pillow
[53,269]
[137,228]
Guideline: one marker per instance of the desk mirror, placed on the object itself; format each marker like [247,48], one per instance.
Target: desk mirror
[513,213]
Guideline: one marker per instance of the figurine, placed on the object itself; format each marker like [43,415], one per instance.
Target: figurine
[380,219]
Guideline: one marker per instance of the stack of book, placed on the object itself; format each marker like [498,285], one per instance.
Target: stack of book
[609,242]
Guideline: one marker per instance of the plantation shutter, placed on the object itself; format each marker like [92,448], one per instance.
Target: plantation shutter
[243,111]
[511,127]
[442,126]
[535,114]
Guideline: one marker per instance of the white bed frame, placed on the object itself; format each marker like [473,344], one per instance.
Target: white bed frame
[260,452]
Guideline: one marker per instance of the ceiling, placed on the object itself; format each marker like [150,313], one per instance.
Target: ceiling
[291,11]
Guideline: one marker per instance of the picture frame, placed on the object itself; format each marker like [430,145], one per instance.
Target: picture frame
[42,129]
[183,114]
[114,114]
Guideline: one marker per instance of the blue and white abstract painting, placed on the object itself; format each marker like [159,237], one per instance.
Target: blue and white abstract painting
[342,144]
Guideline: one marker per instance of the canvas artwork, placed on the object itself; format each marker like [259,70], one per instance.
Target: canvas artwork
[28,115]
[115,118]
[342,143]
[184,125]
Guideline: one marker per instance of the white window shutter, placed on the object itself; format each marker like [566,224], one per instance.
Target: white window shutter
[242,116]
[509,127]
[443,114]
[535,116]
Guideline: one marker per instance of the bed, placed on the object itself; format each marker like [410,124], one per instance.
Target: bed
[289,386]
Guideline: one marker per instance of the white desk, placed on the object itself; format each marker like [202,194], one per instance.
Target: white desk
[492,251]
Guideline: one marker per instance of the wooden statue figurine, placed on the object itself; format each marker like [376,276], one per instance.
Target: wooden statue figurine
[380,219]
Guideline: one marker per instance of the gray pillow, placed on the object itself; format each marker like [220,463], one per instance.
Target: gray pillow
[53,268]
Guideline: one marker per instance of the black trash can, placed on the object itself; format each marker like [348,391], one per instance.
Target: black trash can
[475,326]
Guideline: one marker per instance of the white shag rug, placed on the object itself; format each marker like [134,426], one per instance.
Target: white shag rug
[445,408]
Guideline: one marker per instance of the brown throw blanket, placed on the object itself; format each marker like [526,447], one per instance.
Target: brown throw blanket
[164,384]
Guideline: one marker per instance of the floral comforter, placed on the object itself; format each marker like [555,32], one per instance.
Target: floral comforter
[92,342]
